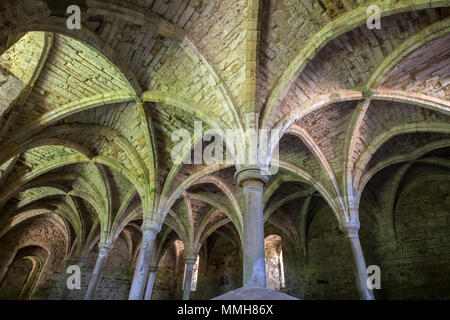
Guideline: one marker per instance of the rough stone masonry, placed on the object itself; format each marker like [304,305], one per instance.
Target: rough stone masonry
[87,178]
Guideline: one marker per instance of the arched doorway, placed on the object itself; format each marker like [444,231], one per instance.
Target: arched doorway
[274,262]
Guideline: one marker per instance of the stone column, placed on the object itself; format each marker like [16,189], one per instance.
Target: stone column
[254,269]
[149,231]
[359,263]
[104,249]
[151,280]
[188,278]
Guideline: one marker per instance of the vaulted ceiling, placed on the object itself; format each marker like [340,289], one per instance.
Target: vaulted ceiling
[87,115]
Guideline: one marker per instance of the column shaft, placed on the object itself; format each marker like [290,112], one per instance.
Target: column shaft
[98,271]
[254,257]
[359,265]
[150,282]
[142,265]
[188,279]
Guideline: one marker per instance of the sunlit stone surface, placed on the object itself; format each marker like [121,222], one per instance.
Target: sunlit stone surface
[92,121]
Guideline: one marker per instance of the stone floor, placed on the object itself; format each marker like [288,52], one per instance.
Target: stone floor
[254,294]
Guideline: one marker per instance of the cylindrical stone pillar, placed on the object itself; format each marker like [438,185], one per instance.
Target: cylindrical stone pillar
[150,282]
[188,278]
[359,263]
[254,269]
[149,231]
[104,249]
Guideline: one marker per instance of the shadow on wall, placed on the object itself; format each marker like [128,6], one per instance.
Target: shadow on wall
[416,265]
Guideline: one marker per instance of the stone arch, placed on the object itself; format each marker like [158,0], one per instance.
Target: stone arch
[24,272]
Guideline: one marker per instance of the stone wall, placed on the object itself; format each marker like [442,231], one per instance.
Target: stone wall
[15,279]
[416,266]
[413,267]
[114,285]
[166,277]
[222,272]
[41,233]
[327,271]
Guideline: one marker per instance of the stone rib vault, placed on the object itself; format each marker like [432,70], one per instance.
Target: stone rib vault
[86,171]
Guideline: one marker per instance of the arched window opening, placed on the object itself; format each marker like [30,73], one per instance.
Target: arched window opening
[274,262]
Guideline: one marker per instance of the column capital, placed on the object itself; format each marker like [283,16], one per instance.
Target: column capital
[350,229]
[153,268]
[252,173]
[105,246]
[190,260]
[151,226]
